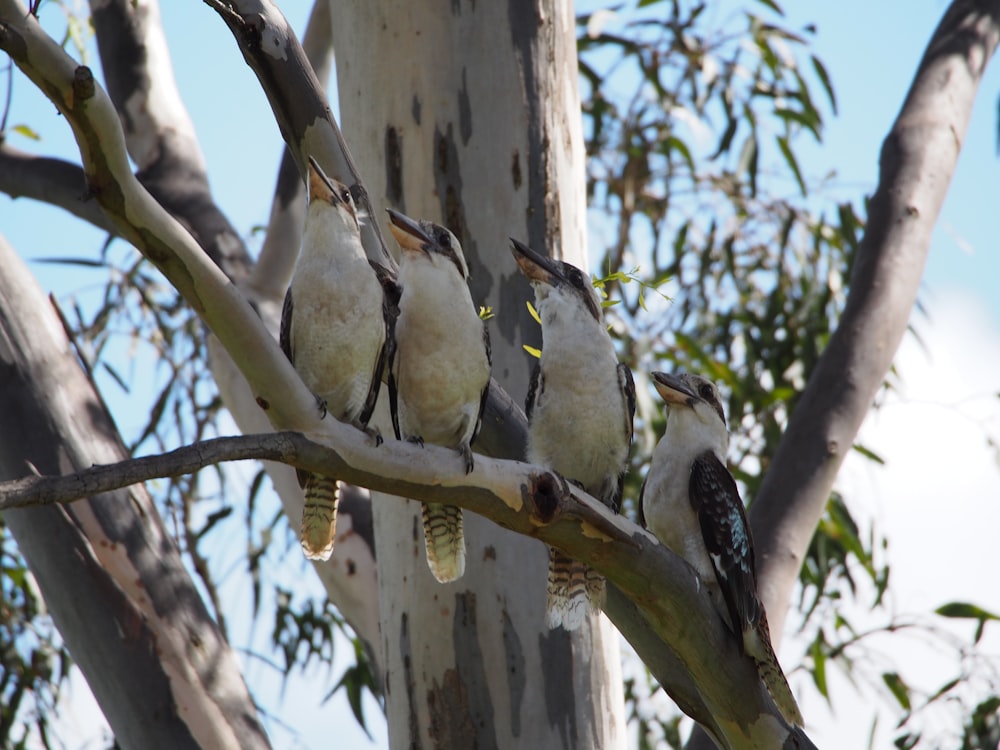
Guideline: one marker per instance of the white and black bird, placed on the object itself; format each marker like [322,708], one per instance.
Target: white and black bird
[440,371]
[334,330]
[580,406]
[691,503]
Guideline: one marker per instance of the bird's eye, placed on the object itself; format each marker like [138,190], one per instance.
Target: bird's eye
[444,240]
[346,196]
[705,391]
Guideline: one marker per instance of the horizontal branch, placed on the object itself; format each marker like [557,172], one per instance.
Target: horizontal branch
[53,181]
[705,674]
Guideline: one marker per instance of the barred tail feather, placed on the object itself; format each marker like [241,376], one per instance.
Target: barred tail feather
[574,591]
[319,517]
[770,672]
[445,541]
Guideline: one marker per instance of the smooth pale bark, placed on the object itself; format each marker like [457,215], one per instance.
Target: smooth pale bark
[468,115]
[111,576]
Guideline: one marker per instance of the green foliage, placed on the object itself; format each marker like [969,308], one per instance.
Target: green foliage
[33,662]
[304,634]
[694,119]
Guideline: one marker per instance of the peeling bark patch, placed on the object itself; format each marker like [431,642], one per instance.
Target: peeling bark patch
[394,168]
[408,680]
[448,185]
[464,111]
[415,108]
[489,552]
[450,723]
[516,674]
[461,712]
[560,698]
[263,403]
[525,39]
[515,170]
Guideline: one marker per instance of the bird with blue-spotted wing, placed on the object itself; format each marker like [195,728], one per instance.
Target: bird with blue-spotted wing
[691,503]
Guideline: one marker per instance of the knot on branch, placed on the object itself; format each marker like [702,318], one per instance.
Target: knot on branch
[545,492]
[83,83]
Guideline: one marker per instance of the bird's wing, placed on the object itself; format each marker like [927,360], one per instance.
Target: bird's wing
[724,528]
[486,388]
[390,311]
[535,388]
[641,518]
[627,386]
[285,329]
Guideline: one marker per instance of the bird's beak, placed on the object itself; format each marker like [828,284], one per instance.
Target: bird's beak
[321,187]
[319,184]
[672,389]
[535,266]
[408,233]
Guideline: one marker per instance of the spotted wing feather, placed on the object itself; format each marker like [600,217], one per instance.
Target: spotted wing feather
[716,500]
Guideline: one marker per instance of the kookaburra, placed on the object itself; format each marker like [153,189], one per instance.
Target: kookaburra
[580,406]
[692,505]
[441,368]
[333,329]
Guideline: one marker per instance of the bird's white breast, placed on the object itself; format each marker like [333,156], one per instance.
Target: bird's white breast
[666,501]
[578,426]
[337,323]
[442,366]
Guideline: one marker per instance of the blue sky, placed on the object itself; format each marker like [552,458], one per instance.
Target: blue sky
[871,50]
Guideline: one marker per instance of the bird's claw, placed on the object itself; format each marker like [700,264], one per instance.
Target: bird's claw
[321,405]
[466,453]
[373,434]
[415,439]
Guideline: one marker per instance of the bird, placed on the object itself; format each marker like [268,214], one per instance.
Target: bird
[691,503]
[440,370]
[334,330]
[580,406]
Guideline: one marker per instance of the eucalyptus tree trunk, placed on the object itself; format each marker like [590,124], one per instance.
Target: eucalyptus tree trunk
[468,114]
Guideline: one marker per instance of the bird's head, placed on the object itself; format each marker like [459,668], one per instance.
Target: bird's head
[427,239]
[323,189]
[693,394]
[549,276]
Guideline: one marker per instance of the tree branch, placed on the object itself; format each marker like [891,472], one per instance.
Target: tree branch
[159,134]
[276,261]
[54,181]
[917,161]
[706,675]
[303,114]
[112,577]
[147,225]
